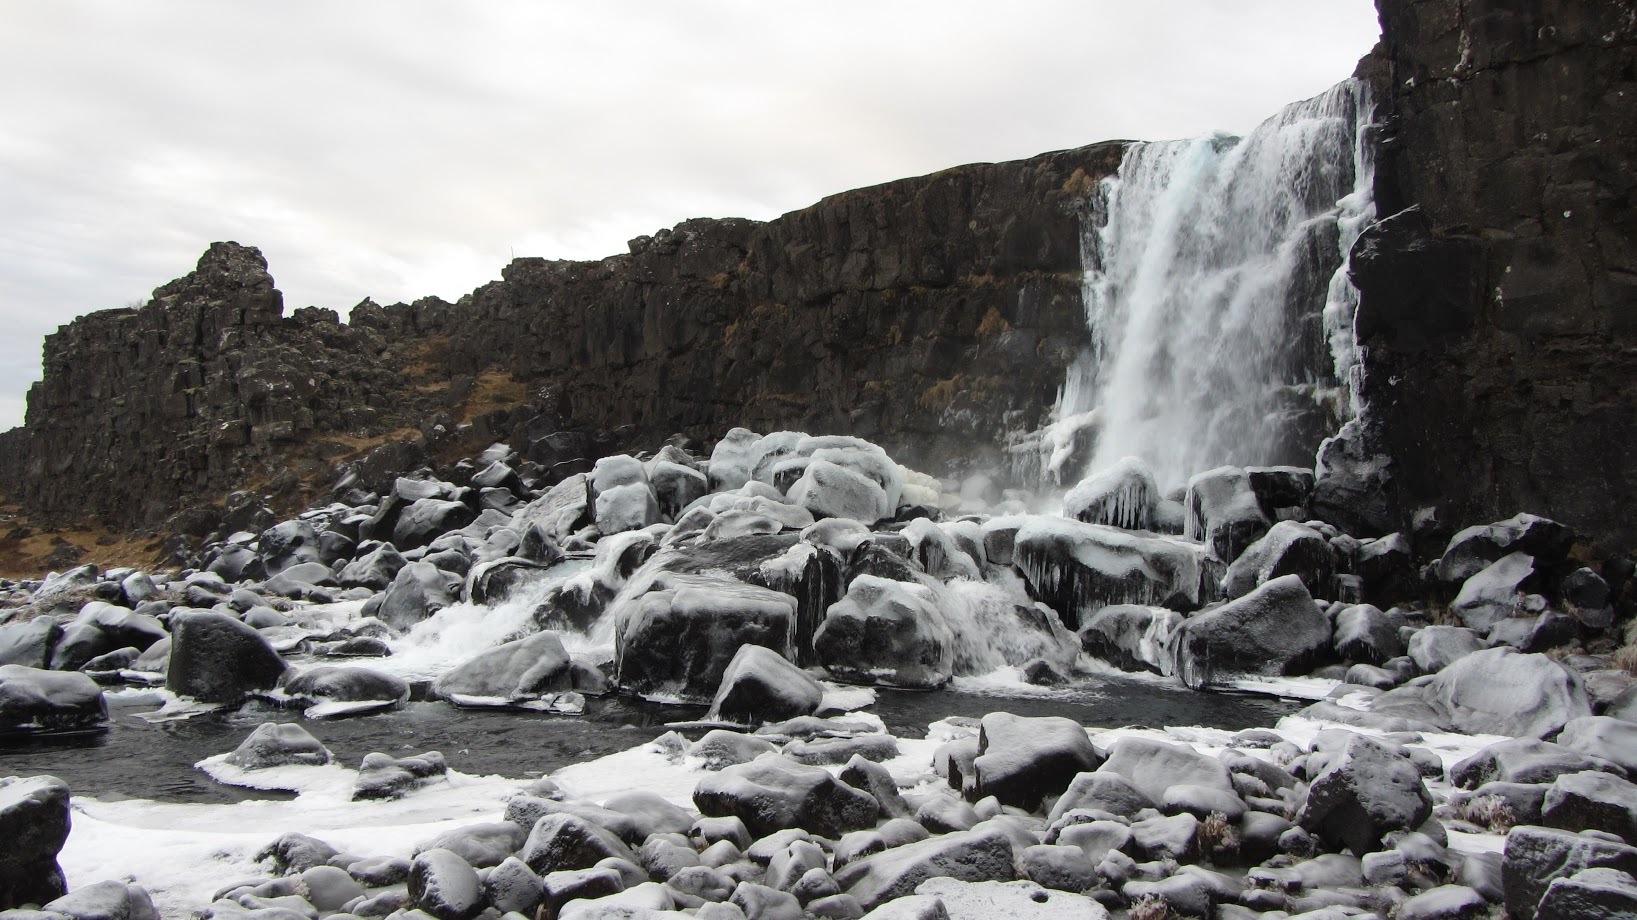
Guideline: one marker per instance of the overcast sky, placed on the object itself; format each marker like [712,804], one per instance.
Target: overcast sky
[400,148]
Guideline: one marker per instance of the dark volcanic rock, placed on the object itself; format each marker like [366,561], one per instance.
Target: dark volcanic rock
[34,824]
[1495,317]
[1275,629]
[217,659]
[36,700]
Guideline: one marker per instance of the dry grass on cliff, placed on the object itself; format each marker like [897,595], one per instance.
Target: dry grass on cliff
[26,553]
[493,390]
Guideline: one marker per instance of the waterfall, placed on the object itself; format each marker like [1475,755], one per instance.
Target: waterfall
[1216,293]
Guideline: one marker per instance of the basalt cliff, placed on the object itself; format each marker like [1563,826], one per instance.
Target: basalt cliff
[936,316]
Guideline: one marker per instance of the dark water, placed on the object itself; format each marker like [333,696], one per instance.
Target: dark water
[136,759]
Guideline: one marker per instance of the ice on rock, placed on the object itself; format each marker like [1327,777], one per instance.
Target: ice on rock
[1133,637]
[1067,446]
[1123,495]
[621,497]
[560,511]
[1222,511]
[767,452]
[1275,629]
[887,632]
[937,553]
[832,490]
[731,459]
[676,640]
[1080,568]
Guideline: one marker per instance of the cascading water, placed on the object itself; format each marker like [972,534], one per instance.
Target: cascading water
[1217,297]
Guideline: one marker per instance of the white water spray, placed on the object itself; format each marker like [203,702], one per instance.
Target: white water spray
[1217,296]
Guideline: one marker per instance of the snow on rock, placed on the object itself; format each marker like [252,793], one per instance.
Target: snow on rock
[1495,593]
[1275,629]
[760,685]
[1501,691]
[1223,512]
[1123,495]
[887,632]
[1024,760]
[831,490]
[34,824]
[676,641]
[1288,548]
[32,699]
[217,659]
[773,793]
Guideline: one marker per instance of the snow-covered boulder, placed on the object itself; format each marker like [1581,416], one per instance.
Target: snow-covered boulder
[676,641]
[560,511]
[217,659]
[982,855]
[1288,548]
[1472,550]
[1495,593]
[1535,857]
[1275,629]
[1364,793]
[1435,648]
[1133,637]
[731,459]
[1024,760]
[427,519]
[277,744]
[1078,568]
[330,684]
[1152,767]
[517,671]
[30,643]
[886,632]
[286,544]
[34,824]
[830,490]
[419,590]
[774,793]
[1223,512]
[1365,633]
[761,686]
[1500,691]
[1123,495]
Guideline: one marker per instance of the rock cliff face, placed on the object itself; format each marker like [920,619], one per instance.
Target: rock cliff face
[932,314]
[1500,315]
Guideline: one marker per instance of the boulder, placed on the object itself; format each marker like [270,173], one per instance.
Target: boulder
[830,490]
[1435,648]
[1590,894]
[1495,593]
[731,460]
[1363,794]
[374,570]
[678,640]
[1275,629]
[1123,495]
[102,901]
[217,659]
[279,744]
[1078,568]
[1587,596]
[342,684]
[1365,634]
[1288,548]
[1152,767]
[759,685]
[284,545]
[1387,571]
[419,590]
[443,885]
[774,793]
[1603,737]
[1223,512]
[1472,550]
[1536,856]
[1523,760]
[517,671]
[1500,691]
[886,632]
[558,513]
[492,582]
[34,824]
[383,777]
[30,643]
[1024,760]
[1103,790]
[1133,637]
[1592,801]
[676,487]
[426,519]
[481,846]
[970,856]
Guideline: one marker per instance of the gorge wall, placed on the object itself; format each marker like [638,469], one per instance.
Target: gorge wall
[1499,317]
[930,314]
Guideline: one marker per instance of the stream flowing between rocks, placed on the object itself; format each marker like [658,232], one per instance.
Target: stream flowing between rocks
[134,758]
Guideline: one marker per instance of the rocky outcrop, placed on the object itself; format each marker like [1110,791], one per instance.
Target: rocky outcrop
[1498,291]
[929,314]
